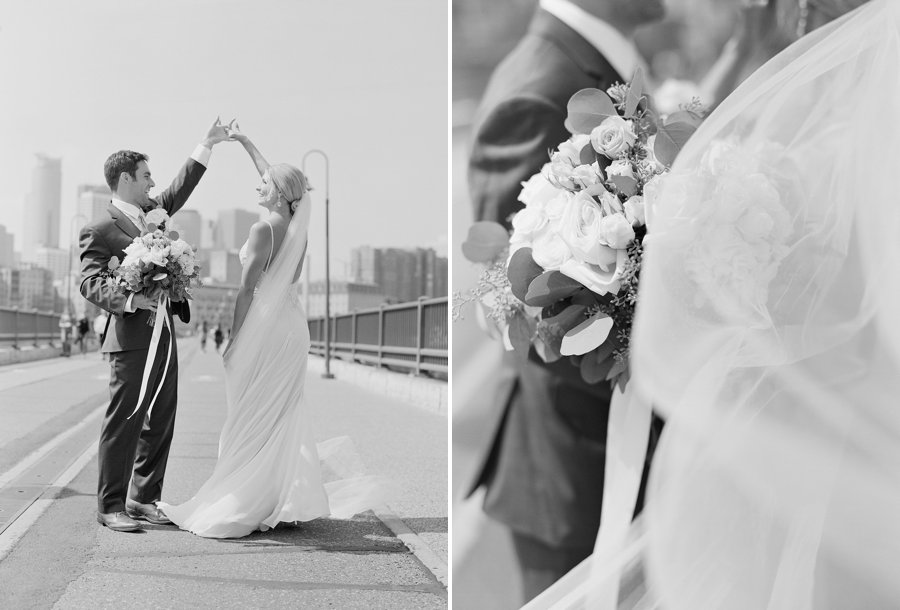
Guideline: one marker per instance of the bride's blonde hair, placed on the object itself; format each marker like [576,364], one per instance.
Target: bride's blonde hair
[290,182]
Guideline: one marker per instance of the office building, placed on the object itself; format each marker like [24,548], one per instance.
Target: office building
[233,228]
[345,297]
[42,205]
[189,225]
[7,250]
[93,203]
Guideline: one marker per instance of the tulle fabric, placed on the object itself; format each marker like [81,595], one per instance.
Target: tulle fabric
[767,336]
[270,468]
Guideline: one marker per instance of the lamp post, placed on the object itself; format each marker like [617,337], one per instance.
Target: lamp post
[67,345]
[327,374]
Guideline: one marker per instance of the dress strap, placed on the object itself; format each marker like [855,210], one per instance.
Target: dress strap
[272,245]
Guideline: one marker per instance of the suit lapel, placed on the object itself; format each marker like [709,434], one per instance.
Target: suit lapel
[123,222]
[583,53]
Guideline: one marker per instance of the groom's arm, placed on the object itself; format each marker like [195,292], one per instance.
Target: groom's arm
[173,198]
[176,195]
[95,255]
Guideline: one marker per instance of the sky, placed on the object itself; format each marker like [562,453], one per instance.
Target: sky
[366,82]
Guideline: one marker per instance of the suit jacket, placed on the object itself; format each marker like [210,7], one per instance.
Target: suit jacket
[544,467]
[103,239]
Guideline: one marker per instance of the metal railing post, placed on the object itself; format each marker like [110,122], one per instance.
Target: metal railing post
[353,336]
[16,329]
[380,333]
[420,322]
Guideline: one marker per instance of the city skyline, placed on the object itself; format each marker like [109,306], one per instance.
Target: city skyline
[62,82]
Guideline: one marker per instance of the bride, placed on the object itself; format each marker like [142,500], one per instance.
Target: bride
[767,335]
[269,469]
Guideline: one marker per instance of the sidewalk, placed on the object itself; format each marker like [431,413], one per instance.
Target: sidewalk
[66,560]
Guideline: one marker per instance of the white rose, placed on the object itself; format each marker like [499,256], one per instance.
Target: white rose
[579,227]
[550,251]
[186,262]
[136,250]
[159,256]
[559,171]
[526,223]
[586,175]
[610,203]
[157,216]
[556,207]
[537,190]
[620,167]
[634,211]
[571,148]
[616,231]
[613,137]
[594,278]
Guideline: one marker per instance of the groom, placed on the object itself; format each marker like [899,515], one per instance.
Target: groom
[543,471]
[135,450]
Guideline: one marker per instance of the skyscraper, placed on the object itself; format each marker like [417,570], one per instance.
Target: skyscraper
[93,201]
[402,274]
[364,262]
[7,241]
[189,225]
[233,228]
[42,206]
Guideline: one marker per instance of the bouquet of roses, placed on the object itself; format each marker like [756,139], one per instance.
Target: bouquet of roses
[158,263]
[573,260]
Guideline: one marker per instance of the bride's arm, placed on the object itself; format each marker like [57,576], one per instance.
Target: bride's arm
[258,247]
[235,134]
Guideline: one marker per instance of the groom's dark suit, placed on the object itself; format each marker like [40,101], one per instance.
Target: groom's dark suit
[133,447]
[544,469]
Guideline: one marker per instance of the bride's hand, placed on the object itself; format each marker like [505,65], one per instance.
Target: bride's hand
[234,131]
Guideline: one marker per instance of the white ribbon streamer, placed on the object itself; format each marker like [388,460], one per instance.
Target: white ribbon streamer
[162,319]
[628,434]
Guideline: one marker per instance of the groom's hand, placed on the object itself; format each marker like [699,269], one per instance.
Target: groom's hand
[141,301]
[217,133]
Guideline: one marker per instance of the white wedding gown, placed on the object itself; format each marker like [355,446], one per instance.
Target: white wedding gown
[270,468]
[767,335]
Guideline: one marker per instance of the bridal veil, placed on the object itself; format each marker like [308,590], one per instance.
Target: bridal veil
[767,336]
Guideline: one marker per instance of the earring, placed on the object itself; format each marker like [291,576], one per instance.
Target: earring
[278,203]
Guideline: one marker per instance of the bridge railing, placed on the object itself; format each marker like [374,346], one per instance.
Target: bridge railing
[410,336]
[21,327]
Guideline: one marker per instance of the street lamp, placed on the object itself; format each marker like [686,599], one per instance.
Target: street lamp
[327,374]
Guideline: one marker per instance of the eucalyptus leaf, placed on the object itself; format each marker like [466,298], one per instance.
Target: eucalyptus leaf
[669,141]
[617,369]
[635,92]
[594,368]
[550,287]
[546,353]
[626,185]
[521,272]
[588,155]
[485,241]
[587,336]
[521,333]
[587,109]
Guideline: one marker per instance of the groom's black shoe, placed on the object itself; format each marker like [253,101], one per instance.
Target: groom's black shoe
[118,522]
[146,512]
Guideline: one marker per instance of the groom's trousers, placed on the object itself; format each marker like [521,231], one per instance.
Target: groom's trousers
[137,449]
